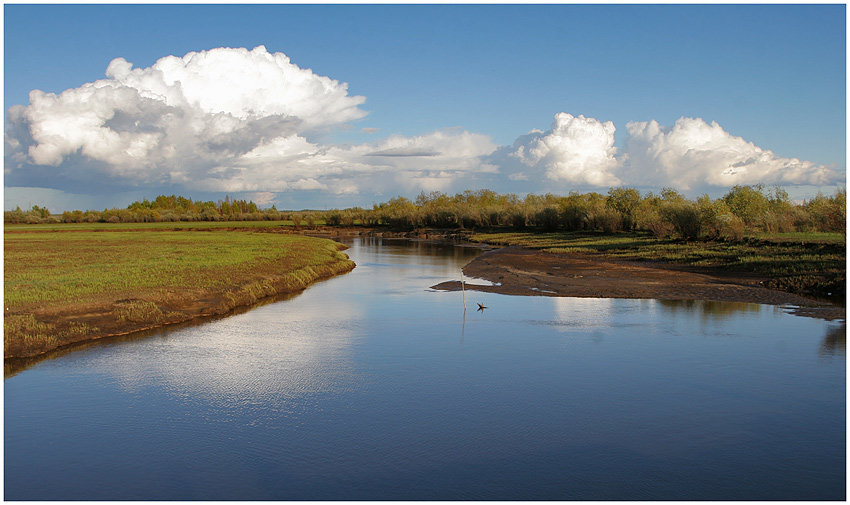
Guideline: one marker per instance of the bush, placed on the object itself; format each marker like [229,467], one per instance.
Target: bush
[748,203]
[519,219]
[574,217]
[608,220]
[333,217]
[829,213]
[625,201]
[685,219]
[730,227]
[548,218]
[778,222]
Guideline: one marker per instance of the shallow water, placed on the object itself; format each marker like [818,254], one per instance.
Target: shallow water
[372,386]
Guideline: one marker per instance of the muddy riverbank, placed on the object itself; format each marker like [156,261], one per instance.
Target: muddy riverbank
[518,271]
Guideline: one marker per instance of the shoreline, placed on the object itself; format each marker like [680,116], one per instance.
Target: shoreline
[526,272]
[513,270]
[141,316]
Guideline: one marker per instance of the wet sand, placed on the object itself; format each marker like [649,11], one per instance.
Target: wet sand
[517,271]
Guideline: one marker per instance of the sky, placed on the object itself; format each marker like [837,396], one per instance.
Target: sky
[323,106]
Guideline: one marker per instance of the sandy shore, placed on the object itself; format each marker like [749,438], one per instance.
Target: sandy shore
[517,271]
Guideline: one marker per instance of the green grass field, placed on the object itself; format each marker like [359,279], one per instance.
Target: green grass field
[177,225]
[141,274]
[811,264]
[48,267]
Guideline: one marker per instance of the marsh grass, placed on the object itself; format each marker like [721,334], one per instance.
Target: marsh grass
[25,326]
[23,331]
[137,311]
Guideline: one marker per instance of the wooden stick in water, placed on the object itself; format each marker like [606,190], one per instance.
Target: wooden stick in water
[463,289]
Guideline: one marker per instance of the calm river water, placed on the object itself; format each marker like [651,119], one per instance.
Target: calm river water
[372,386]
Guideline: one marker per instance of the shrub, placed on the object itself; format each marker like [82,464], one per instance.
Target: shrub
[608,220]
[548,218]
[625,201]
[685,219]
[748,203]
[829,213]
[333,217]
[574,217]
[733,228]
[519,219]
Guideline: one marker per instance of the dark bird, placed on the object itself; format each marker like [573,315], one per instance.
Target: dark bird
[481,306]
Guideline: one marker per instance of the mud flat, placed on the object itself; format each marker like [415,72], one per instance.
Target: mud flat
[519,271]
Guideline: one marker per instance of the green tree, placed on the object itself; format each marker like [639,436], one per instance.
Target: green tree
[625,201]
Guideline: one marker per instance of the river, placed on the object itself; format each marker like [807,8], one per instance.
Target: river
[372,386]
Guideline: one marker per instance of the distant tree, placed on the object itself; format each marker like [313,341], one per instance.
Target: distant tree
[748,203]
[625,201]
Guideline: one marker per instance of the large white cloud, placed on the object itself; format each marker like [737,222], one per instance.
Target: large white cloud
[250,121]
[221,120]
[207,104]
[243,84]
[693,154]
[576,150]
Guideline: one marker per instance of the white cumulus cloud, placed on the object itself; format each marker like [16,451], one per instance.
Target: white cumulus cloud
[577,150]
[177,121]
[233,120]
[693,154]
[243,84]
[250,121]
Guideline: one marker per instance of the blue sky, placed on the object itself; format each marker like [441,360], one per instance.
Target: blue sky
[772,76]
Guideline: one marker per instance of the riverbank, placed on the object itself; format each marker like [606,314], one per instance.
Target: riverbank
[781,269]
[519,271]
[65,288]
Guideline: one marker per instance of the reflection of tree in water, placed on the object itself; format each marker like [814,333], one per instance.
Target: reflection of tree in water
[835,341]
[710,309]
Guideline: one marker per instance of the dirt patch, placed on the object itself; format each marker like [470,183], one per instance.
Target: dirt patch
[518,271]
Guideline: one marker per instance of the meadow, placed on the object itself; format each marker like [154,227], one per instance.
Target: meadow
[164,225]
[61,287]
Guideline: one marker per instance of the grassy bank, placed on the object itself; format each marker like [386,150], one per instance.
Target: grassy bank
[64,287]
[806,264]
[175,225]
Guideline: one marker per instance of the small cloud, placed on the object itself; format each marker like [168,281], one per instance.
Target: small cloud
[308,184]
[346,189]
[263,198]
[370,130]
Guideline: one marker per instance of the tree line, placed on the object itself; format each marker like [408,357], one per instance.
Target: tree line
[161,209]
[744,209]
